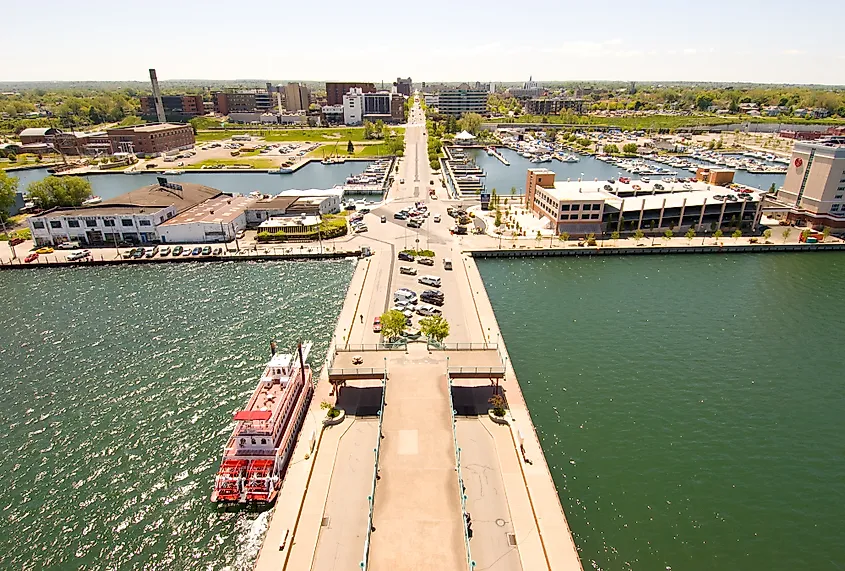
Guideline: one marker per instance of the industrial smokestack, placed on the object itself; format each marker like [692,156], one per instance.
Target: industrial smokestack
[157,97]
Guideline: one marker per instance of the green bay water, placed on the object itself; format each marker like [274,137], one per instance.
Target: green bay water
[118,389]
[691,408]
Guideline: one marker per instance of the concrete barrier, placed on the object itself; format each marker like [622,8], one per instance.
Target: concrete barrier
[650,250]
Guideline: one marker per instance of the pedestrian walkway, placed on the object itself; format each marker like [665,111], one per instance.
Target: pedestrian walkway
[418,520]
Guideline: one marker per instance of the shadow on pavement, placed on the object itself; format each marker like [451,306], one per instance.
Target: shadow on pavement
[474,401]
[360,401]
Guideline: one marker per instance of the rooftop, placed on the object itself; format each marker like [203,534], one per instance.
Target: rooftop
[222,209]
[149,127]
[274,203]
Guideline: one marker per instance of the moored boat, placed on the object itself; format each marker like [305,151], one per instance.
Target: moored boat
[91,201]
[257,454]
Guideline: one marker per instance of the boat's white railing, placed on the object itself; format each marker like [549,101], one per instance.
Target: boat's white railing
[459,472]
[365,561]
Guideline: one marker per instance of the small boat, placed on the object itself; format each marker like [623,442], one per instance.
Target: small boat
[91,201]
[490,151]
[132,171]
[174,172]
[280,170]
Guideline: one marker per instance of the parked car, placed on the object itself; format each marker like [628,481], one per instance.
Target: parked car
[433,281]
[383,219]
[377,325]
[31,257]
[44,250]
[187,252]
[425,261]
[150,252]
[206,250]
[406,257]
[196,251]
[16,241]
[217,251]
[437,218]
[138,253]
[76,256]
[64,245]
[177,251]
[164,251]
[408,270]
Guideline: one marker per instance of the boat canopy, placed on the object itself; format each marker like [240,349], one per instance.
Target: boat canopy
[253,415]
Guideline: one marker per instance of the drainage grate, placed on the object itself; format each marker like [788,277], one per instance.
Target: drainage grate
[512,539]
[325,522]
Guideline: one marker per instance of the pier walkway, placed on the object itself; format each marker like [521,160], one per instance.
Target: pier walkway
[441,460]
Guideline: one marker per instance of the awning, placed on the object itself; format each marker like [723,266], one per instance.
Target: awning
[253,415]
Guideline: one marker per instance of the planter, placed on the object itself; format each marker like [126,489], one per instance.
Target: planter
[336,420]
[498,419]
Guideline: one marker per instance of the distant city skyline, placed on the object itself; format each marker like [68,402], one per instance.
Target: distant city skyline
[442,41]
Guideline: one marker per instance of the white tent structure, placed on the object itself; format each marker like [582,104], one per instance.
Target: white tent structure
[464,136]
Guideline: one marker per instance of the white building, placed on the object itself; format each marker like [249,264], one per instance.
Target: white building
[132,217]
[314,202]
[329,199]
[301,224]
[216,220]
[432,100]
[353,107]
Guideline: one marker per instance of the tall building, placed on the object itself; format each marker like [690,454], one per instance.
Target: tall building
[553,105]
[404,86]
[528,90]
[463,99]
[297,97]
[174,106]
[335,90]
[382,105]
[814,189]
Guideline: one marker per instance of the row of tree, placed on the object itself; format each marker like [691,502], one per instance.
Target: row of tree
[49,192]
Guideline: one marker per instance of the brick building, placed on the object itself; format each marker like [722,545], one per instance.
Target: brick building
[151,139]
[335,90]
[173,104]
[553,105]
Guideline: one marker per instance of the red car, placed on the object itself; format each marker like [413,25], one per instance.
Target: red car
[377,325]
[16,241]
[31,258]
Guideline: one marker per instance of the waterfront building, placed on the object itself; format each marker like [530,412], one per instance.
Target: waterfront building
[48,140]
[553,105]
[404,86]
[175,106]
[217,219]
[359,106]
[588,207]
[292,225]
[814,189]
[293,203]
[131,217]
[333,114]
[151,139]
[297,97]
[335,90]
[463,99]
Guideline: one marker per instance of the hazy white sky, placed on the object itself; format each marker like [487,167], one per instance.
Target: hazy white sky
[438,40]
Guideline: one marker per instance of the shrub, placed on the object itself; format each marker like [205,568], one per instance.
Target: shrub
[498,404]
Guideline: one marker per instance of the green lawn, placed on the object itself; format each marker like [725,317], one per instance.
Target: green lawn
[660,121]
[342,135]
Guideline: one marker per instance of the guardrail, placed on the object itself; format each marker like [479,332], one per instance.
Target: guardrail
[459,471]
[467,346]
[480,371]
[371,498]
[352,348]
[373,372]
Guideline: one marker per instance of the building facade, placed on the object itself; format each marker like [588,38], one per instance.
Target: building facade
[151,139]
[553,105]
[463,99]
[335,90]
[177,105]
[814,189]
[353,107]
[297,97]
[404,86]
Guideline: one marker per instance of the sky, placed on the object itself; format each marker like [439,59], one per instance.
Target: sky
[437,40]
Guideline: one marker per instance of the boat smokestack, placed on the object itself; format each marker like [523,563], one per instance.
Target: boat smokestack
[157,96]
[301,361]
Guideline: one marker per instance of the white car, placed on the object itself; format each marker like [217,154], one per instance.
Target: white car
[81,255]
[409,270]
[437,218]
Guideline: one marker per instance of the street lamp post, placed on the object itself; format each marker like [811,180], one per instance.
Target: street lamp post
[6,232]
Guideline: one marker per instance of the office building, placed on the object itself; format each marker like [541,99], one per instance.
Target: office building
[404,86]
[383,105]
[553,105]
[596,207]
[297,97]
[150,139]
[814,189]
[528,90]
[463,99]
[335,90]
[175,106]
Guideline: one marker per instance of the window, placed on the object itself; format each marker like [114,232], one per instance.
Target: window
[143,222]
[73,223]
[126,221]
[594,216]
[91,223]
[565,207]
[596,206]
[564,216]
[37,224]
[576,207]
[838,196]
[108,222]
[55,224]
[834,208]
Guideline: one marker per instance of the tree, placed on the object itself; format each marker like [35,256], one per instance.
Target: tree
[767,234]
[350,148]
[690,234]
[614,235]
[392,324]
[630,149]
[786,234]
[737,234]
[668,234]
[435,327]
[8,188]
[470,122]
[610,149]
[498,221]
[718,234]
[564,236]
[59,191]
[638,235]
[513,190]
[825,233]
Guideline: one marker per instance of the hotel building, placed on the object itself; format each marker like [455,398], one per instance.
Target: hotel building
[463,99]
[595,207]
[814,189]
